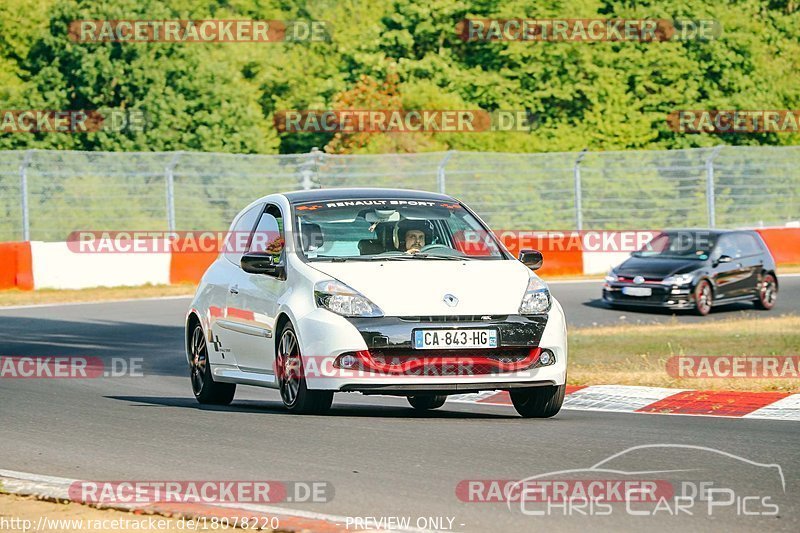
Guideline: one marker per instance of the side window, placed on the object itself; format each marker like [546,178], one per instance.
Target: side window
[237,238]
[747,244]
[727,246]
[269,237]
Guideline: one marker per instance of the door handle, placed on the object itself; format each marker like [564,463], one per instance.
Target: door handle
[234,289]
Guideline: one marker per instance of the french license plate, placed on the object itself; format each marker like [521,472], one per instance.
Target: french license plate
[432,339]
[637,291]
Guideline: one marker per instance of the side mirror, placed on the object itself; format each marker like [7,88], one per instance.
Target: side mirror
[531,258]
[261,263]
[723,259]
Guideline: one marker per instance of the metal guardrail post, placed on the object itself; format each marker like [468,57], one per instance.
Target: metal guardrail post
[576,171]
[710,195]
[309,167]
[440,172]
[23,191]
[169,176]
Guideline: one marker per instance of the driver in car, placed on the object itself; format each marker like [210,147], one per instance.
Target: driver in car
[414,240]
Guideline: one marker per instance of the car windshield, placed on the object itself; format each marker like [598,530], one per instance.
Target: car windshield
[391,229]
[679,245]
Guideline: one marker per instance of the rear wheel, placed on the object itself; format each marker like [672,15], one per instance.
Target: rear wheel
[291,379]
[206,390]
[538,402]
[424,402]
[767,293]
[703,298]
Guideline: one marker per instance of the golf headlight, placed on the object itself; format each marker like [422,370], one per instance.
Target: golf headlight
[343,300]
[680,279]
[611,276]
[536,299]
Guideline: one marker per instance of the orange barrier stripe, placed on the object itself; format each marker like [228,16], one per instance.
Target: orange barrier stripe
[783,243]
[16,266]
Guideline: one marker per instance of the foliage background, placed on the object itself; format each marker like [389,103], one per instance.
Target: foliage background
[221,97]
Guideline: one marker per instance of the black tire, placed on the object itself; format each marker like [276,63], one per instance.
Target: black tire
[424,402]
[703,298]
[767,293]
[205,389]
[538,402]
[292,383]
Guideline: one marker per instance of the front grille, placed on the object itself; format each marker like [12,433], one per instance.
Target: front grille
[450,362]
[504,354]
[453,318]
[656,297]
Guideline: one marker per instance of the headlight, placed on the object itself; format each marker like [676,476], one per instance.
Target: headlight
[680,279]
[611,276]
[536,299]
[344,300]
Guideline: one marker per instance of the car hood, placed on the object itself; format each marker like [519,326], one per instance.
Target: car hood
[417,287]
[651,267]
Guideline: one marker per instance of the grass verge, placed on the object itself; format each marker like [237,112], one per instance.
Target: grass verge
[46,296]
[637,355]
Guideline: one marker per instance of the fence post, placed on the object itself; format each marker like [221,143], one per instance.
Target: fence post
[23,191]
[576,171]
[710,195]
[308,168]
[169,175]
[440,173]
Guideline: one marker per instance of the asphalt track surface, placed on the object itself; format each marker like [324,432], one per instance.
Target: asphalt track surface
[382,458]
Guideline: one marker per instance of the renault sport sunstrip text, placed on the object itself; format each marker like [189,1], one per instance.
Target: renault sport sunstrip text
[376,291]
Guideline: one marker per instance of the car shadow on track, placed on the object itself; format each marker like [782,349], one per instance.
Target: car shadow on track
[276,408]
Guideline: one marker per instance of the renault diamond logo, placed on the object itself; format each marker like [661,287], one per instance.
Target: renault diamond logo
[450,300]
[638,280]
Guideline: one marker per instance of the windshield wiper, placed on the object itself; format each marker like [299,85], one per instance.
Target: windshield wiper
[430,256]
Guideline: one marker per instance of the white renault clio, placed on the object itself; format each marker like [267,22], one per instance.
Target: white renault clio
[377,291]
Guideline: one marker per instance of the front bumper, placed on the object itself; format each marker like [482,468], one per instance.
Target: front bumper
[665,296]
[327,336]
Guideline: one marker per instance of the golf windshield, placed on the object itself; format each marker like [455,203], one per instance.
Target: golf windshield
[679,245]
[385,229]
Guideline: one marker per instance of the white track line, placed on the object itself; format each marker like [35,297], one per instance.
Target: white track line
[94,302]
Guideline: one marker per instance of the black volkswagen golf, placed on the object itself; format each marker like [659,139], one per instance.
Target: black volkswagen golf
[695,269]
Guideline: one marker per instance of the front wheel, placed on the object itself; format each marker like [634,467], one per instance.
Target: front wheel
[206,390]
[425,402]
[767,293]
[291,381]
[538,402]
[703,298]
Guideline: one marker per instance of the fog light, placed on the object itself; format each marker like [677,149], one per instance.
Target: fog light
[348,361]
[546,358]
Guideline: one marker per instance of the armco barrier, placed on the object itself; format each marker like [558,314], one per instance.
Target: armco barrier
[29,265]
